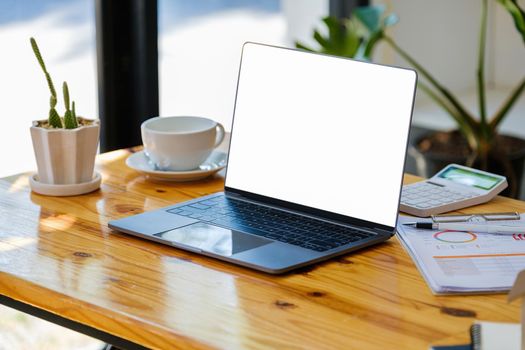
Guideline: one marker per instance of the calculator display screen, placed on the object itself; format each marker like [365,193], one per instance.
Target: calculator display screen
[470,178]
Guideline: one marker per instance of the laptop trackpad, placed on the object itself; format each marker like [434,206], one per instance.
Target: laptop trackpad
[213,239]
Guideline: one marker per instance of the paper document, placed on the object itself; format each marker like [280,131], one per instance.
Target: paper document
[465,262]
[496,336]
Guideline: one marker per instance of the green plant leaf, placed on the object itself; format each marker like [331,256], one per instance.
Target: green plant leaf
[466,130]
[66,95]
[346,42]
[371,43]
[507,105]
[50,85]
[370,16]
[352,39]
[70,118]
[323,42]
[54,119]
[517,13]
[40,60]
[52,101]
[36,51]
[336,32]
[301,46]
[355,37]
[480,72]
[69,121]
[342,39]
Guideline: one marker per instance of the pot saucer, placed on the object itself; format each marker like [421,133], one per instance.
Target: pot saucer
[64,190]
[215,162]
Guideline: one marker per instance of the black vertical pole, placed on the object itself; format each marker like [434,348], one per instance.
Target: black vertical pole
[127,60]
[343,8]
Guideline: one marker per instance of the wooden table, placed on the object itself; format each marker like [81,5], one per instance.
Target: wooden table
[59,260]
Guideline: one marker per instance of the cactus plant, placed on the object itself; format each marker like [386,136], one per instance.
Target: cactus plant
[65,146]
[70,120]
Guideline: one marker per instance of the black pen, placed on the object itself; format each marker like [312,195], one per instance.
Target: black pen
[466,227]
[423,225]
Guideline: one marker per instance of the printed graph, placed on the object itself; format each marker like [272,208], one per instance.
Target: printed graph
[455,236]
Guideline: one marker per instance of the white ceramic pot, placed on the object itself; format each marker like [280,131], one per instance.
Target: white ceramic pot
[65,156]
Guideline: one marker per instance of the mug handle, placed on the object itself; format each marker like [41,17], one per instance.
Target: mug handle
[220,134]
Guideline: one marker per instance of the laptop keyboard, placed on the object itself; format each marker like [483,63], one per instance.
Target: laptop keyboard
[271,223]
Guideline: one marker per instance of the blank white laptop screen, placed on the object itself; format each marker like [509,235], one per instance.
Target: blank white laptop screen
[320,131]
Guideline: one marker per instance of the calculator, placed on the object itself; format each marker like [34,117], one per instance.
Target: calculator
[454,187]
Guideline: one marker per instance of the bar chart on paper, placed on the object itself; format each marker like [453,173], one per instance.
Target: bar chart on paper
[469,262]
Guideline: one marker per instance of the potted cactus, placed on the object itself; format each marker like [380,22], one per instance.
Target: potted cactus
[65,147]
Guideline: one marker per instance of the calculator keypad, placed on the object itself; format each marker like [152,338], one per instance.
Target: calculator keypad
[423,195]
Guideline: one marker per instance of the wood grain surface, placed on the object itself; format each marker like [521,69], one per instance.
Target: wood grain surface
[59,255]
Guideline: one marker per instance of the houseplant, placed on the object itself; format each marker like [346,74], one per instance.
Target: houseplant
[65,147]
[351,37]
[476,142]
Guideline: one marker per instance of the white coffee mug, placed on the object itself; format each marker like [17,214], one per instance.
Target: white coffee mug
[180,143]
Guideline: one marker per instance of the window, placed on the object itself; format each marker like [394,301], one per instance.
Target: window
[199,52]
[65,31]
[200,46]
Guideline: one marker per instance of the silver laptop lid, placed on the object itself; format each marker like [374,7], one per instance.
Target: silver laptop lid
[320,131]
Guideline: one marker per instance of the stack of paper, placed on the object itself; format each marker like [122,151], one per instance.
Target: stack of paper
[465,262]
[495,336]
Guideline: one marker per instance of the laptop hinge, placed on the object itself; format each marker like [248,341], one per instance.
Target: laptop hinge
[232,194]
[388,232]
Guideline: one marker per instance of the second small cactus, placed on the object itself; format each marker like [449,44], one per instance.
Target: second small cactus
[70,120]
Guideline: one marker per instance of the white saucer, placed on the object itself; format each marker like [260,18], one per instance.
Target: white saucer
[215,162]
[64,190]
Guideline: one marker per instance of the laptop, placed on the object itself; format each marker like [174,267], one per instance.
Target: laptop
[315,165]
